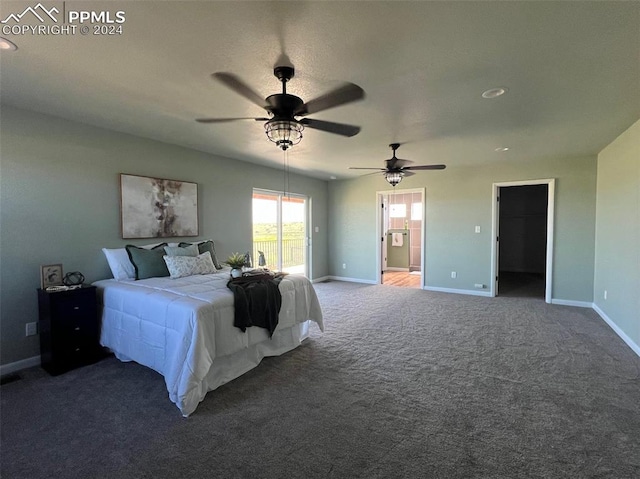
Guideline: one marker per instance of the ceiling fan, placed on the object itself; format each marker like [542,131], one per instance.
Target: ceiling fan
[397,169]
[281,125]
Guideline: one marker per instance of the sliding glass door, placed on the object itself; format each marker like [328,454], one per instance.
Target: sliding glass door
[280,231]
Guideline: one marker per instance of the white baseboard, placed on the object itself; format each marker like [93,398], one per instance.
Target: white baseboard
[634,347]
[321,279]
[570,302]
[470,292]
[393,268]
[352,280]
[18,365]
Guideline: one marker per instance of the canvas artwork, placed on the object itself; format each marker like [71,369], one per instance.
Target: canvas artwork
[50,275]
[158,208]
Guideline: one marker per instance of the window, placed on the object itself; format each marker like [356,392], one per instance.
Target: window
[416,211]
[398,210]
[280,231]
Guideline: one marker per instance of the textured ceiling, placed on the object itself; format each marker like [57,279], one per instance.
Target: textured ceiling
[572,70]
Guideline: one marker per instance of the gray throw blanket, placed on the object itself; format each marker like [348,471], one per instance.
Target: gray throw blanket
[257,300]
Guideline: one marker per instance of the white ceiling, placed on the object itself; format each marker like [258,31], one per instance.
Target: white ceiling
[572,70]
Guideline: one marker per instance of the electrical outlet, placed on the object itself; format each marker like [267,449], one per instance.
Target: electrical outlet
[454,275]
[31,329]
[605,294]
[477,229]
[344,265]
[479,285]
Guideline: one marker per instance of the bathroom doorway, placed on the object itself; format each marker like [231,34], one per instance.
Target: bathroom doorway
[401,229]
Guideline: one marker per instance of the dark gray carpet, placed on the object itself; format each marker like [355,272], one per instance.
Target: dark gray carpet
[404,383]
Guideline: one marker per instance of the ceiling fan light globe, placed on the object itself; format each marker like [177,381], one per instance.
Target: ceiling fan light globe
[394,177]
[284,133]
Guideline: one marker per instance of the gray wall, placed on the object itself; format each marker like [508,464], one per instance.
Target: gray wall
[617,261]
[59,203]
[458,199]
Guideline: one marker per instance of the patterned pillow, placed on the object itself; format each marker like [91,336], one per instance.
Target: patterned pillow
[181,266]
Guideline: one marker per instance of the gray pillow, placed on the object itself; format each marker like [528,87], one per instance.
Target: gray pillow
[207,246]
[191,250]
[148,263]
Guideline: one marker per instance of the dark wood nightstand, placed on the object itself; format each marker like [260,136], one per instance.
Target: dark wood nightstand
[69,329]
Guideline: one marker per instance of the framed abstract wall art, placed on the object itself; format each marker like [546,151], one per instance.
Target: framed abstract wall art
[157,208]
[50,275]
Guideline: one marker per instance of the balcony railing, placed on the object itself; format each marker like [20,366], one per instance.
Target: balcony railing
[292,253]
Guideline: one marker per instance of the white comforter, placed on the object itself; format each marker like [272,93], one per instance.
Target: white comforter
[183,329]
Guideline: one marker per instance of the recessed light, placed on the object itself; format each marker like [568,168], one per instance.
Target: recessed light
[495,92]
[333,177]
[502,148]
[7,45]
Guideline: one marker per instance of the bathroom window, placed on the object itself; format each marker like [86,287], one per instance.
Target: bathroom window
[416,211]
[398,210]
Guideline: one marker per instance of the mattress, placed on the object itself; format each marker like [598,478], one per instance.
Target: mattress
[183,329]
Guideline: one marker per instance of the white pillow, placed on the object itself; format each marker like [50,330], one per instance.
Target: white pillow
[120,264]
[121,267]
[181,266]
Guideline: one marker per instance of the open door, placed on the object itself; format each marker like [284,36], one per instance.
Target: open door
[401,236]
[523,218]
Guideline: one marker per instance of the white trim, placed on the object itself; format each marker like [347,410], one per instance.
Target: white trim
[634,347]
[550,182]
[469,292]
[392,268]
[19,365]
[321,279]
[351,280]
[571,302]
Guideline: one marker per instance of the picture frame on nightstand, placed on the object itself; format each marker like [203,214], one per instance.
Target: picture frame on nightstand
[50,275]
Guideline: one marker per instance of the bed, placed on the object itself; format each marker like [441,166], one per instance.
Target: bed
[183,329]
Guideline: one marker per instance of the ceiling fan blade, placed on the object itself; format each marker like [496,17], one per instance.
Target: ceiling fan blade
[407,173]
[225,120]
[425,167]
[357,168]
[331,127]
[397,163]
[240,87]
[344,94]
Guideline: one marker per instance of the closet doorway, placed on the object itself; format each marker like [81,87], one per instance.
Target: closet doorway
[523,230]
[401,233]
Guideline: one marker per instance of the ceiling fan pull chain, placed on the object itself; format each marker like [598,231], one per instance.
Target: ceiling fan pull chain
[285,170]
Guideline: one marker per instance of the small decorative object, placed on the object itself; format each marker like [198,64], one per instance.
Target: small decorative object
[247,260]
[157,208]
[50,275]
[261,259]
[236,261]
[74,278]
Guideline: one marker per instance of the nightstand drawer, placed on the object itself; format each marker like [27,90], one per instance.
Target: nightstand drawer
[77,305]
[76,324]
